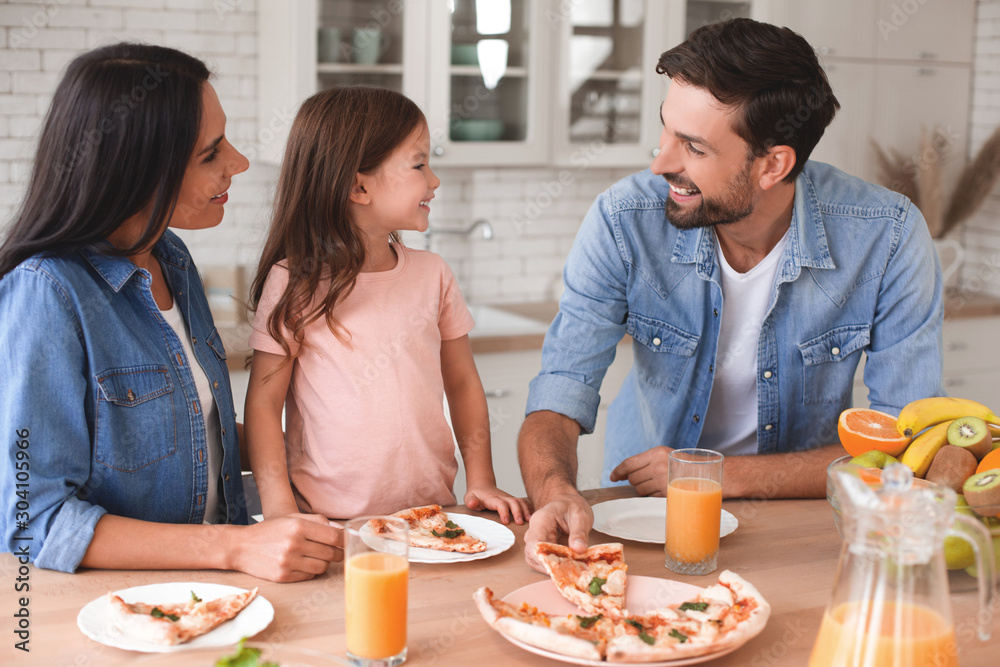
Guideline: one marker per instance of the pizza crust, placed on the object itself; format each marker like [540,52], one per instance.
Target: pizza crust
[422,520]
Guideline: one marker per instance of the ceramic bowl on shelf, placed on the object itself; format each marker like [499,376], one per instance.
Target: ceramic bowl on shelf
[477,129]
[464,54]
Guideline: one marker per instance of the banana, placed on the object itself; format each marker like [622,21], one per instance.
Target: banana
[920,453]
[994,431]
[920,414]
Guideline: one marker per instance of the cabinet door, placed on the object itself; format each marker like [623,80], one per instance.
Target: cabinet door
[910,98]
[608,91]
[310,45]
[488,63]
[505,377]
[842,29]
[922,30]
[845,141]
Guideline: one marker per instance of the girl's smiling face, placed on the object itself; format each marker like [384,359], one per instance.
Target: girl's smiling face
[210,170]
[401,190]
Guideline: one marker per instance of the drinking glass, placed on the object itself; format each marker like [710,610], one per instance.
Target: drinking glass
[694,510]
[376,573]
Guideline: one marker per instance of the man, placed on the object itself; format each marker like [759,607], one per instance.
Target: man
[749,304]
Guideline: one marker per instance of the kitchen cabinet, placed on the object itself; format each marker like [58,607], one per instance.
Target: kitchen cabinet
[843,145]
[922,30]
[842,29]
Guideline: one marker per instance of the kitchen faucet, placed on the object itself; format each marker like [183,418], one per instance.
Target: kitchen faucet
[482,224]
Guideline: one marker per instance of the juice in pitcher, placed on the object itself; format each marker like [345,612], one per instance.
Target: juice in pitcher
[694,511]
[375,599]
[860,633]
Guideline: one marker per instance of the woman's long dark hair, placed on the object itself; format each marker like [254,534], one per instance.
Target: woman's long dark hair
[336,134]
[116,142]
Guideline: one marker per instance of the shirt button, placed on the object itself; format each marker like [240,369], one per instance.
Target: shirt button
[216,384]
[711,368]
[767,375]
[835,350]
[226,478]
[194,341]
[656,341]
[697,419]
[768,427]
[130,395]
[715,311]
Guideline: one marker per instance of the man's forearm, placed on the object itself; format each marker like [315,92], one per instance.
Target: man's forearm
[789,475]
[546,450]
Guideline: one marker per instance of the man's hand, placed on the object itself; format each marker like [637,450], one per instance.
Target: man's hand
[566,514]
[647,472]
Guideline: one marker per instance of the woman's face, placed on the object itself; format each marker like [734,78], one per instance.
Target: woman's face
[210,170]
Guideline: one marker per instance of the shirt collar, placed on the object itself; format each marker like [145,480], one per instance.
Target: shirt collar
[118,270]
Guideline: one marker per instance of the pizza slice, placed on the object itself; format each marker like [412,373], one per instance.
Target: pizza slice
[721,616]
[173,623]
[593,580]
[431,528]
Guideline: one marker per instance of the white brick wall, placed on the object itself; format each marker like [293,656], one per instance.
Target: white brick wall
[534,212]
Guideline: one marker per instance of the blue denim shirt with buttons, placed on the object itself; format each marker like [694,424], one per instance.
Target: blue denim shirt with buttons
[859,275]
[97,384]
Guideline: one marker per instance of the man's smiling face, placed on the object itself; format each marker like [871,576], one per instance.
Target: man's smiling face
[706,163]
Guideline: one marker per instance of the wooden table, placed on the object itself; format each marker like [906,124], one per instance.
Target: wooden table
[788,549]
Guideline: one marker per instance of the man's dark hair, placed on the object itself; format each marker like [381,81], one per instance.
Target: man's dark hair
[770,74]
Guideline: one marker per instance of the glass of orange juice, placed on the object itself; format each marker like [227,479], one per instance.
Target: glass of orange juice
[694,510]
[376,574]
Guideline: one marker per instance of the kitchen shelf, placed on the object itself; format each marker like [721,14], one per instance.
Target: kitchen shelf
[351,68]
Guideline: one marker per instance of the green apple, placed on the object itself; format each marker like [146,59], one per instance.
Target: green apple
[874,459]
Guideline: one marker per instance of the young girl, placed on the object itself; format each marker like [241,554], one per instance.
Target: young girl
[358,336]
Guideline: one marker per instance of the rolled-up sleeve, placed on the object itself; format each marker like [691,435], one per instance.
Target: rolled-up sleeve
[46,429]
[580,345]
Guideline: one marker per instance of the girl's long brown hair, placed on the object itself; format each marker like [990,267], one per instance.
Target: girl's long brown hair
[336,134]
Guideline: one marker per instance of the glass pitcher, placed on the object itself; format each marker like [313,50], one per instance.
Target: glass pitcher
[890,604]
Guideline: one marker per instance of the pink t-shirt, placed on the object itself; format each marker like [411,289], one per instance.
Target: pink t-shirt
[365,431]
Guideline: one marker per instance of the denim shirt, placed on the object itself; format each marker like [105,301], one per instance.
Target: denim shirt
[98,409]
[859,275]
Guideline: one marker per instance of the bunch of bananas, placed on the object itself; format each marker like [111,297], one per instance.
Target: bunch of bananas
[927,421]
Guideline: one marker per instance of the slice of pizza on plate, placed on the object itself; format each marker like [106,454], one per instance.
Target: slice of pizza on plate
[593,580]
[431,528]
[719,618]
[176,623]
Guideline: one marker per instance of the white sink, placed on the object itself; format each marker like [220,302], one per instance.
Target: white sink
[492,321]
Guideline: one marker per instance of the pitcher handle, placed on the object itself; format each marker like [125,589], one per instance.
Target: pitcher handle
[974,532]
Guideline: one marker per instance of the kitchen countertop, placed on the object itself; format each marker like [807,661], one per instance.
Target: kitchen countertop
[787,548]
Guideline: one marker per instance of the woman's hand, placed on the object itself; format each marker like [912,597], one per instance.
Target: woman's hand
[487,496]
[288,548]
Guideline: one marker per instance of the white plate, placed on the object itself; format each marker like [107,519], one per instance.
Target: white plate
[642,594]
[643,519]
[285,656]
[94,620]
[497,536]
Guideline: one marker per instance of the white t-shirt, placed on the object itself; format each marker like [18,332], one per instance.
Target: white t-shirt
[209,413]
[731,418]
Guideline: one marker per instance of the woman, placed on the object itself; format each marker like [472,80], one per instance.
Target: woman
[115,406]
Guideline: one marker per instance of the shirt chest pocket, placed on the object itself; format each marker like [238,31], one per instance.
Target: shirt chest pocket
[662,351]
[135,417]
[830,361]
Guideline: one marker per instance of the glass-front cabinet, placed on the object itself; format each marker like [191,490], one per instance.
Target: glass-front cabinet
[487,60]
[502,82]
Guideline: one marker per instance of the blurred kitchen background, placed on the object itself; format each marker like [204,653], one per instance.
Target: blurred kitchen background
[535,107]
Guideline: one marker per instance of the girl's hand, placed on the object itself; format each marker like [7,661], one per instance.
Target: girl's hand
[507,506]
[292,548]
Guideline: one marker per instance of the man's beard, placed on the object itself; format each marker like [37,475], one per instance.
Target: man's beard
[736,205]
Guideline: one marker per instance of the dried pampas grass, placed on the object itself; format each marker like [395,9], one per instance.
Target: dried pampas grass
[975,183]
[920,180]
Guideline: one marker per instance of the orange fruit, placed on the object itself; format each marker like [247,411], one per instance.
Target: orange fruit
[990,462]
[862,430]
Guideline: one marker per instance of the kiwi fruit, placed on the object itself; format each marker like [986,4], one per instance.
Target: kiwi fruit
[982,492]
[973,434]
[951,467]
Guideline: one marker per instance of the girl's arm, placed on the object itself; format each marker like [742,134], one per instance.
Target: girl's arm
[269,379]
[471,420]
[282,549]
